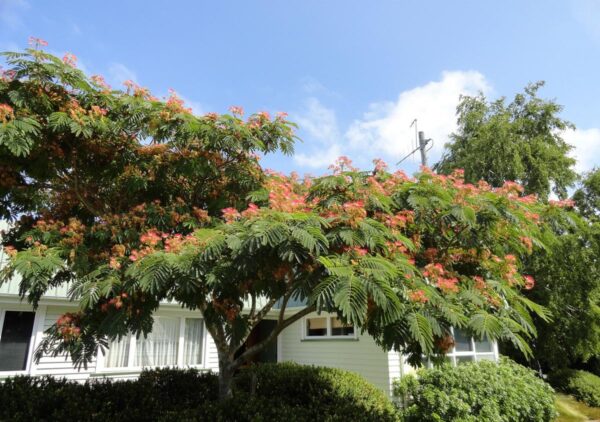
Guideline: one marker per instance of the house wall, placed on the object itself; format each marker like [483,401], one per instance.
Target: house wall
[359,355]
[61,366]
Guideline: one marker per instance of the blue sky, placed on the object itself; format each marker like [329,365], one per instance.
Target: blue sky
[354,74]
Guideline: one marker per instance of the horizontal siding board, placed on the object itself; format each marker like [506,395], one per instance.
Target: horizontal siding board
[362,356]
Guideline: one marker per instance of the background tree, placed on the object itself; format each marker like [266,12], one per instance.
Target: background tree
[520,141]
[587,196]
[134,201]
[568,284]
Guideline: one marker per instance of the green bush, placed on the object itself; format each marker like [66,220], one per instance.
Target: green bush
[270,392]
[483,391]
[583,385]
[318,393]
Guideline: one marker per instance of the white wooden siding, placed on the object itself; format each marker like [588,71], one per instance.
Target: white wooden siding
[359,355]
[60,366]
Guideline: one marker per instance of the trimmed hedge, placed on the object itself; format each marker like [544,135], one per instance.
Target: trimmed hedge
[269,392]
[583,385]
[318,393]
[483,391]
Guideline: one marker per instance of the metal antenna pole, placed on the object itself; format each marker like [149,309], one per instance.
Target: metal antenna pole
[422,145]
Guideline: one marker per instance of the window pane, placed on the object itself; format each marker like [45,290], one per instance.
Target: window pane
[339,329]
[160,347]
[486,357]
[193,342]
[463,343]
[15,339]
[118,353]
[316,327]
[483,346]
[464,359]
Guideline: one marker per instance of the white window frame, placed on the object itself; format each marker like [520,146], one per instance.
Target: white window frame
[130,368]
[328,336]
[32,339]
[454,354]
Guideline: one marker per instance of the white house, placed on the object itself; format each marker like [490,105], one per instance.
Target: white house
[180,339]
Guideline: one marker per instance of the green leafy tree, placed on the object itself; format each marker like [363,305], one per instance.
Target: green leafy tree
[519,141]
[135,201]
[568,276]
[568,284]
[587,196]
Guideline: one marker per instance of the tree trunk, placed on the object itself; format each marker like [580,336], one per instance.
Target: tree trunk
[225,376]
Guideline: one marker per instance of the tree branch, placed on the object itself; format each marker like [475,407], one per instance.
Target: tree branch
[278,329]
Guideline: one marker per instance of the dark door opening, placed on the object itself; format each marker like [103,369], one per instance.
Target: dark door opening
[261,332]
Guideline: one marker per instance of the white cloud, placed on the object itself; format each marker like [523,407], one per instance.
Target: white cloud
[120,73]
[385,128]
[319,126]
[319,121]
[587,147]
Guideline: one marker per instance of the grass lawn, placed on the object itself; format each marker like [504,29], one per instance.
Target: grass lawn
[573,411]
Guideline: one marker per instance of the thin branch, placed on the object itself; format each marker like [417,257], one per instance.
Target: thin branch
[253,307]
[263,312]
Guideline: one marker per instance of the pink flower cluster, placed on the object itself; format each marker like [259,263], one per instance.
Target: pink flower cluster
[6,113]
[437,274]
[37,42]
[342,164]
[565,203]
[70,60]
[237,110]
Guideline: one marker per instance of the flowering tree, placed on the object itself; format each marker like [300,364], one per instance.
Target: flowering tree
[135,201]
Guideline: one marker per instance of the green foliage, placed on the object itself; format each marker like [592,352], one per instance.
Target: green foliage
[483,391]
[587,197]
[520,141]
[583,385]
[568,284]
[321,393]
[302,394]
[136,201]
[157,395]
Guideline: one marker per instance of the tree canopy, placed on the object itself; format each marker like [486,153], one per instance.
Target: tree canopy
[135,201]
[520,141]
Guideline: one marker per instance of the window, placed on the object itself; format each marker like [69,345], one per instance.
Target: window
[15,339]
[327,327]
[466,349]
[172,342]
[316,327]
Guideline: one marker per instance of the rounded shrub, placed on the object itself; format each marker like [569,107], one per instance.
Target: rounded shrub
[483,391]
[582,385]
[316,393]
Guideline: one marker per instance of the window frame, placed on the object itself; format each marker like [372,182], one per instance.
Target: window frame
[328,336]
[32,339]
[130,368]
[452,355]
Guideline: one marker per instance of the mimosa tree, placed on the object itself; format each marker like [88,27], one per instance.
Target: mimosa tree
[134,201]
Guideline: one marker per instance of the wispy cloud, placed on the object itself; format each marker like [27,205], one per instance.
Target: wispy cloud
[11,12]
[320,129]
[587,13]
[119,73]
